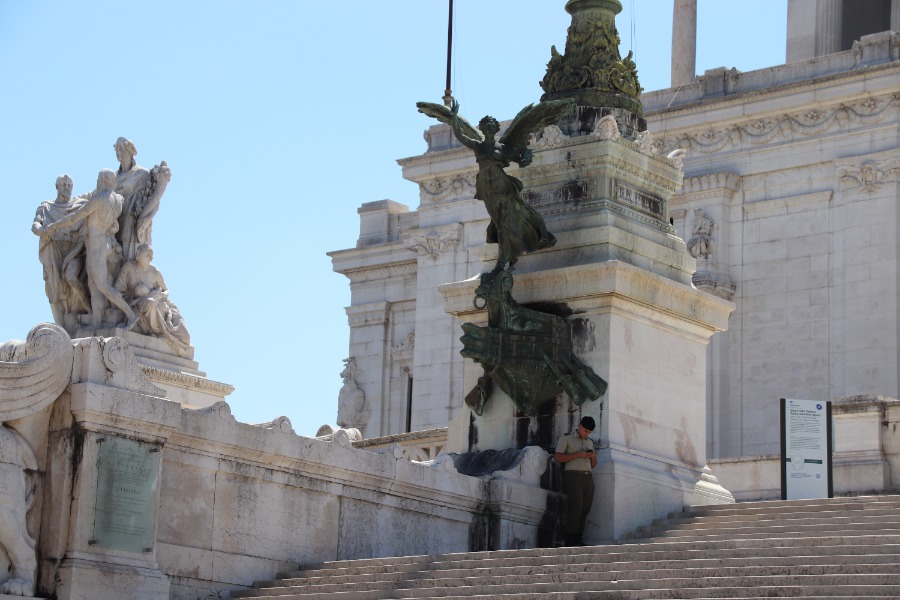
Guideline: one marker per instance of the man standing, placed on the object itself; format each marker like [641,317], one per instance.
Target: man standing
[576,451]
[100,218]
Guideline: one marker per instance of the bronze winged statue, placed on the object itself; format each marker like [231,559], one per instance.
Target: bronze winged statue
[515,226]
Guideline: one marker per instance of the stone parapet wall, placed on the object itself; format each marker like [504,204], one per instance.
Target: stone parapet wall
[197,503]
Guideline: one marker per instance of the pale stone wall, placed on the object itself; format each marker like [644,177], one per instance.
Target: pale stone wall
[234,503]
[802,184]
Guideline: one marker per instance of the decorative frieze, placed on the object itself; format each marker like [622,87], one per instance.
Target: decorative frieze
[869,175]
[436,243]
[785,127]
[450,187]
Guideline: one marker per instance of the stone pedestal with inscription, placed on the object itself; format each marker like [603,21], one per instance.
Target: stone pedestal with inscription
[98,536]
[622,279]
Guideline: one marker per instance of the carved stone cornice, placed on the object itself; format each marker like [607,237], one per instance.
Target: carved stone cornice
[784,127]
[363,315]
[436,242]
[711,185]
[186,380]
[381,272]
[432,157]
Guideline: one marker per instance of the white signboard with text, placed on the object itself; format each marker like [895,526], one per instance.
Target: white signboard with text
[805,449]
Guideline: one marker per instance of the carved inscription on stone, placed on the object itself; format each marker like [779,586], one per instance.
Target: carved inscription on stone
[638,199]
[125,511]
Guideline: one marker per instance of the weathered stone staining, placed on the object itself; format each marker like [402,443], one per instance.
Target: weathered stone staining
[90,246]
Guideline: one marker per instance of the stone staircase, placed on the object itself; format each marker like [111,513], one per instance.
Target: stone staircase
[836,548]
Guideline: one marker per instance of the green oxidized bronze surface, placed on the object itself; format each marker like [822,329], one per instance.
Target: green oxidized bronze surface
[592,72]
[526,353]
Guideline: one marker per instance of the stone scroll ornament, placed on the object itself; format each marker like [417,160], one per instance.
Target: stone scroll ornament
[528,354]
[32,375]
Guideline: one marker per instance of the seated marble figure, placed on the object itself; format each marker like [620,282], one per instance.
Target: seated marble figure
[143,287]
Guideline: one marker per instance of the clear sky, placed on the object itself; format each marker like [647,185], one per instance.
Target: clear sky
[278,119]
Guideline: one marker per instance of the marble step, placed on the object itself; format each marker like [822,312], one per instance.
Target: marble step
[638,550]
[783,531]
[647,552]
[844,503]
[452,579]
[804,565]
[889,514]
[837,522]
[682,587]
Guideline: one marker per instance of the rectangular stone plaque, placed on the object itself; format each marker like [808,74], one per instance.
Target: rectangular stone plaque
[639,199]
[125,510]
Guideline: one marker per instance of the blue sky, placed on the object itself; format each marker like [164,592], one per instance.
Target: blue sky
[278,120]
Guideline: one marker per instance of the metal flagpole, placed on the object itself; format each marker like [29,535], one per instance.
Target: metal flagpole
[448,93]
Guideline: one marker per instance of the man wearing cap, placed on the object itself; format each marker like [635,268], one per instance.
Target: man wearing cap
[576,451]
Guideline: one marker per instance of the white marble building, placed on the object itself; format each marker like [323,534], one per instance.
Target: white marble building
[789,206]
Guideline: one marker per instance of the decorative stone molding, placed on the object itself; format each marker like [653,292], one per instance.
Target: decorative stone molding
[869,175]
[644,143]
[221,409]
[187,380]
[663,185]
[707,283]
[34,373]
[444,188]
[712,185]
[677,157]
[551,137]
[785,127]
[282,424]
[435,243]
[607,128]
[364,315]
[383,272]
[419,446]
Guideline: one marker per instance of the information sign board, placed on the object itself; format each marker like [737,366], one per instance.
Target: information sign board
[125,509]
[806,448]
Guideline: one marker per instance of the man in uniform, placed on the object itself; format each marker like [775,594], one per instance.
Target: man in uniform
[576,451]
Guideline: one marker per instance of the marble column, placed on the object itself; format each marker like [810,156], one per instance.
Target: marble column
[684,42]
[828,26]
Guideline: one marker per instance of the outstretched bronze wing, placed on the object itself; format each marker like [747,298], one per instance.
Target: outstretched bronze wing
[530,119]
[443,114]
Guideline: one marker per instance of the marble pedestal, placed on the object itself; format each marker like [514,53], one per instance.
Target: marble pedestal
[106,435]
[646,335]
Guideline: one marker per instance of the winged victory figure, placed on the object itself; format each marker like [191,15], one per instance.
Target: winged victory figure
[515,226]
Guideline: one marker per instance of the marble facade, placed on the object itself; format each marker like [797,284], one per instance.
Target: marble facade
[790,191]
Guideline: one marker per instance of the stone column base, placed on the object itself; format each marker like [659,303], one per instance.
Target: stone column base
[632,490]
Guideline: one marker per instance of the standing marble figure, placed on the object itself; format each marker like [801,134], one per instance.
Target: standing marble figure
[576,451]
[61,256]
[98,217]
